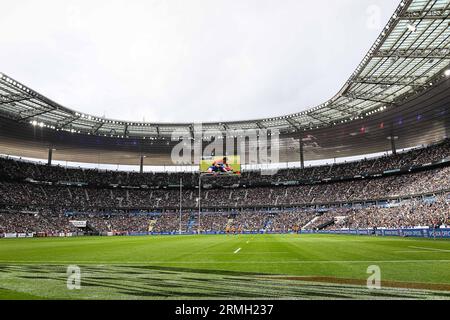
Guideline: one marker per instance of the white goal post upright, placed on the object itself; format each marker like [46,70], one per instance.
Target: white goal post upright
[199,201]
[181,199]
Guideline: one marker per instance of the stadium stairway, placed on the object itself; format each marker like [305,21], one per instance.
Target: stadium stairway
[268,224]
[325,224]
[192,222]
[90,229]
[310,223]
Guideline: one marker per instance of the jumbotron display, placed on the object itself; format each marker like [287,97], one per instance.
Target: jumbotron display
[230,165]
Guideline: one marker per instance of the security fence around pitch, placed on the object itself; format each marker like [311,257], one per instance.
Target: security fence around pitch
[410,232]
[440,233]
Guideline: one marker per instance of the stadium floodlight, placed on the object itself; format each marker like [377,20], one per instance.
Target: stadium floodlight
[447,73]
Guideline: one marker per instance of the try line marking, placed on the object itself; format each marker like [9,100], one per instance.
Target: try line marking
[150,262]
[430,249]
[237,250]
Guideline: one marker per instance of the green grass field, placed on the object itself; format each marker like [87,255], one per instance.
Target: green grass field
[225,266]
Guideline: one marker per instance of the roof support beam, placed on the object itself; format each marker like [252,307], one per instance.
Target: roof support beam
[295,124]
[341,108]
[317,118]
[10,98]
[34,114]
[389,83]
[99,125]
[260,125]
[436,14]
[67,121]
[366,98]
[390,79]
[415,53]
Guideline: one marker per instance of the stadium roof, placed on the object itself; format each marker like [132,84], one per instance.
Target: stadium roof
[422,120]
[410,55]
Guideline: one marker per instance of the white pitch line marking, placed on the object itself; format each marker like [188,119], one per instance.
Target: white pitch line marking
[429,249]
[120,263]
[237,250]
[415,251]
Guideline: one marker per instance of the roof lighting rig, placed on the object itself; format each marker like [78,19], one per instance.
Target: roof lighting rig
[411,54]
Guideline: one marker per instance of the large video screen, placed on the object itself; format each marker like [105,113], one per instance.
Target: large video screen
[221,165]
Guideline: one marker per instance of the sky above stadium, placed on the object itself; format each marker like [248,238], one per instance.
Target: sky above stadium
[185,61]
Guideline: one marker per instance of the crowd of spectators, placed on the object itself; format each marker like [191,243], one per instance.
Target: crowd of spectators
[411,214]
[404,214]
[43,221]
[19,170]
[289,221]
[38,204]
[170,222]
[83,198]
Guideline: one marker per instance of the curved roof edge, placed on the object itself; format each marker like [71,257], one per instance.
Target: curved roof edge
[410,55]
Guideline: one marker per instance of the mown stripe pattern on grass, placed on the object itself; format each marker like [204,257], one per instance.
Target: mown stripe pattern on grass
[202,267]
